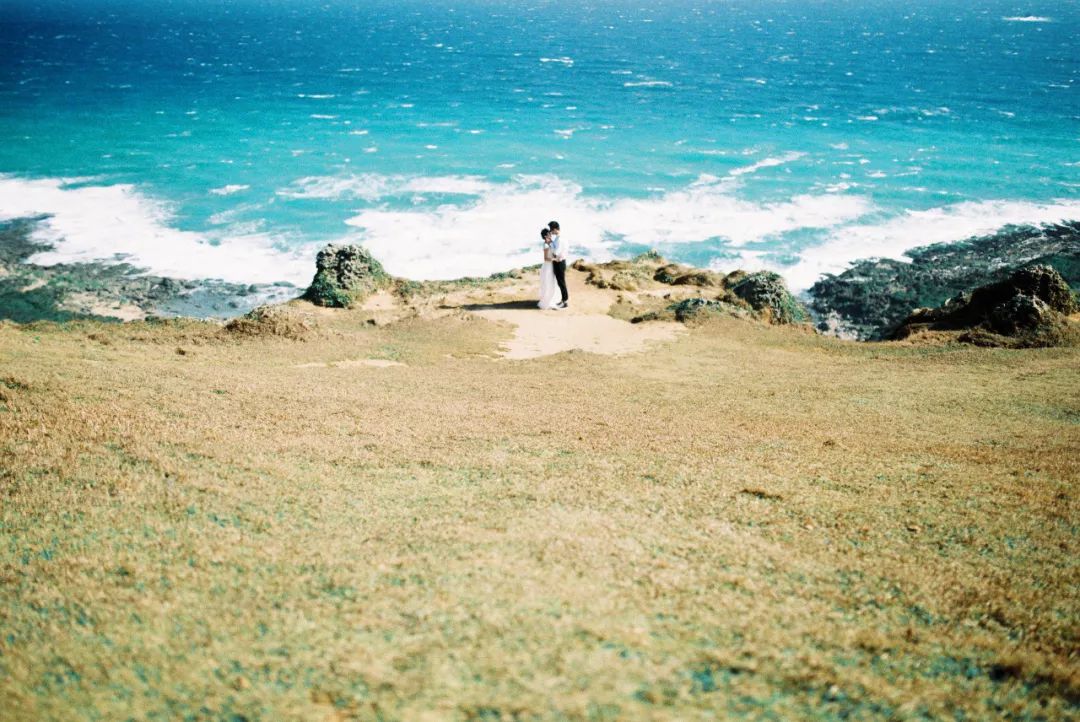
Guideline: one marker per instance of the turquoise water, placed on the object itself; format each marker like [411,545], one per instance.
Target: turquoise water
[232,140]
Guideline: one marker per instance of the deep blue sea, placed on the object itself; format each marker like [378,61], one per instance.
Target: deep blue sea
[232,139]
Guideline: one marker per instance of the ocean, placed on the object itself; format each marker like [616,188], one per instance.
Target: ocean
[232,140]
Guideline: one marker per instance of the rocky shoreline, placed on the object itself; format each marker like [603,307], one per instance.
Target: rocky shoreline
[111,291]
[872,300]
[873,297]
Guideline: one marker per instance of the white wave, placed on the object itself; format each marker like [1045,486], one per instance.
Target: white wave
[1028,19]
[501,227]
[316,96]
[568,62]
[766,163]
[228,190]
[323,116]
[648,84]
[493,226]
[892,237]
[110,222]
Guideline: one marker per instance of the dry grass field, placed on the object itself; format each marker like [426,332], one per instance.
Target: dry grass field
[740,522]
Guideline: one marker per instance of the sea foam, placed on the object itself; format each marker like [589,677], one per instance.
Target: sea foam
[890,238]
[499,227]
[483,227]
[116,222]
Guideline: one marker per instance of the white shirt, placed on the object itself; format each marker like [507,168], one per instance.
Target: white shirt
[558,247]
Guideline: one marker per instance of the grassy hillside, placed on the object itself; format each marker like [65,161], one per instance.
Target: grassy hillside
[745,522]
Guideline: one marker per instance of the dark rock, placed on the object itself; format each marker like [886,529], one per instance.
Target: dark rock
[1041,282]
[1020,313]
[344,276]
[766,292]
[668,273]
[1029,307]
[873,297]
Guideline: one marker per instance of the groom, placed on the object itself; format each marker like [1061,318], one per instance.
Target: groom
[558,264]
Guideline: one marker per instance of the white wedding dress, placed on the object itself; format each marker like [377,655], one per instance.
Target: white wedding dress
[549,289]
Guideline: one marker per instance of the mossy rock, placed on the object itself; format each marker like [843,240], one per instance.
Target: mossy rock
[767,293]
[344,276]
[698,308]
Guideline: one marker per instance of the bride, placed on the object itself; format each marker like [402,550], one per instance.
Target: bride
[549,290]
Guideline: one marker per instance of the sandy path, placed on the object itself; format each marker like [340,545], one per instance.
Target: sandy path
[585,325]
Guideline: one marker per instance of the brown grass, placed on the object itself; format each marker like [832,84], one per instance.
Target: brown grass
[749,522]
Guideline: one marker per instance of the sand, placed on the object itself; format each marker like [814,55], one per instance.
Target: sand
[584,326]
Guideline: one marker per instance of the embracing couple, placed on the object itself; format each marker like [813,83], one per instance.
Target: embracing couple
[553,272]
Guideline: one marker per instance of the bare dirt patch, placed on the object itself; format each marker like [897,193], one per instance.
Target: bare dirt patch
[584,326]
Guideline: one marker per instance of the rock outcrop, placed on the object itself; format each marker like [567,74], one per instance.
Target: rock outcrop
[1029,308]
[767,293]
[265,321]
[344,276]
[696,308]
[695,293]
[870,299]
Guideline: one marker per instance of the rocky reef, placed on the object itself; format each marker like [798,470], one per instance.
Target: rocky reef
[1027,309]
[344,276]
[110,291]
[873,297]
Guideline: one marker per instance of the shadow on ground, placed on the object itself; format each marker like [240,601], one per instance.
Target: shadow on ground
[505,306]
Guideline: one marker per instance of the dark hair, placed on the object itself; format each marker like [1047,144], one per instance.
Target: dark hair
[554,225]
[544,233]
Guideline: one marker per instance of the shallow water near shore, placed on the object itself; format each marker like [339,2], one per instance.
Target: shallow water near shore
[200,141]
